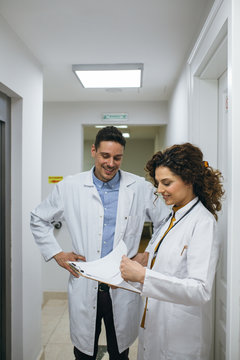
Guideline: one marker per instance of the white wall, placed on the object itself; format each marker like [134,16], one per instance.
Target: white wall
[177,129]
[63,153]
[63,131]
[21,79]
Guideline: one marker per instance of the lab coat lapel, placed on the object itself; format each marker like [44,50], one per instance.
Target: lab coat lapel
[89,185]
[125,199]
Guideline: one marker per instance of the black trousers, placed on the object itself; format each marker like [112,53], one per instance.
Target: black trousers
[104,311]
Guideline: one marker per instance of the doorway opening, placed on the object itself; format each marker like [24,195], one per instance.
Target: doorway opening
[142,143]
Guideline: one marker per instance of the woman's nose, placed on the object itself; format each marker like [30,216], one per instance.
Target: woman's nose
[160,188]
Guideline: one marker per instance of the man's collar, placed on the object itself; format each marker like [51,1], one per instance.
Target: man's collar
[111,183]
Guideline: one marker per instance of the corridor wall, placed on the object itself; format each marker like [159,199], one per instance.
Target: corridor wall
[21,79]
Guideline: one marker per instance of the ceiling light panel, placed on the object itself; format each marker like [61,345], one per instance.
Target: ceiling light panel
[109,76]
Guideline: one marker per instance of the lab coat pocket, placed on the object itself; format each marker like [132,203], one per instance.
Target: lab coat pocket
[134,226]
[184,329]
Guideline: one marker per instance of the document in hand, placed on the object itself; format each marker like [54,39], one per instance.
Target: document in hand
[106,269]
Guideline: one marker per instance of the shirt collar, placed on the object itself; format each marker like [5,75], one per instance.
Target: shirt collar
[182,210]
[111,184]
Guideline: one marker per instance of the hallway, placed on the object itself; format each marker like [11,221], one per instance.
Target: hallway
[55,333]
[186,47]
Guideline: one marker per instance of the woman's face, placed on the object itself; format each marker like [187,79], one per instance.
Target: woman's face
[172,188]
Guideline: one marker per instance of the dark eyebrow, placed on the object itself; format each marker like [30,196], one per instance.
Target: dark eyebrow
[106,153]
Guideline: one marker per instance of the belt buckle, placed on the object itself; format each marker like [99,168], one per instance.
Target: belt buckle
[102,287]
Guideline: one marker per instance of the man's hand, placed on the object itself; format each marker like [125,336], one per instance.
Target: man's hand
[132,270]
[141,258]
[62,258]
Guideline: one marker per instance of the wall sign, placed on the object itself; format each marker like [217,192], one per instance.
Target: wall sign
[54,179]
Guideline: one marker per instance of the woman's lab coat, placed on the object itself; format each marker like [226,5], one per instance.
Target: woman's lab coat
[76,199]
[178,324]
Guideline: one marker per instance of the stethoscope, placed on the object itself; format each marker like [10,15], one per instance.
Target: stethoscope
[164,222]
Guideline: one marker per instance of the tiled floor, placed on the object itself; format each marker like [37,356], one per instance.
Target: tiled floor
[55,333]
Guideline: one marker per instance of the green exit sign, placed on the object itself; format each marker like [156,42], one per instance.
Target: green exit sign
[115,117]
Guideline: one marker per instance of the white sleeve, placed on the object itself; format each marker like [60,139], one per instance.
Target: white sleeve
[202,258]
[51,209]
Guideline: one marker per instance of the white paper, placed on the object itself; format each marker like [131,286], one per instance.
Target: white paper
[106,269]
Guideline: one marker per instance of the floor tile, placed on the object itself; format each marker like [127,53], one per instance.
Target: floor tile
[56,336]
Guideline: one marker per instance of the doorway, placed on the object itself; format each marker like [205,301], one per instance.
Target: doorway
[142,141]
[5,248]
[221,277]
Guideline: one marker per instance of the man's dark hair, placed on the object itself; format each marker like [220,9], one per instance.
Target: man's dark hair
[109,133]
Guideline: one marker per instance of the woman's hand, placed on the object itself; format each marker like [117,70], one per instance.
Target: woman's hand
[132,270]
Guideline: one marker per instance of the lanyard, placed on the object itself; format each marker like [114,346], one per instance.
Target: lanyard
[186,213]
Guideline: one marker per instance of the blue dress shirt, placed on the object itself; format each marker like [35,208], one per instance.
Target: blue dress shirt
[108,192]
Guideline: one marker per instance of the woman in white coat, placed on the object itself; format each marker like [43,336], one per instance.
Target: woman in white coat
[182,258]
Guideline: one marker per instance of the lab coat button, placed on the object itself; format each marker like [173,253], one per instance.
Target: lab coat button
[125,217]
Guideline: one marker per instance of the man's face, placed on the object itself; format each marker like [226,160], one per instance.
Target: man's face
[108,158]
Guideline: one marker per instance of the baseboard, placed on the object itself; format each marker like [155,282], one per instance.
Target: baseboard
[50,295]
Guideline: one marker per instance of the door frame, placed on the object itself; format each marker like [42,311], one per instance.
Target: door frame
[207,62]
[5,262]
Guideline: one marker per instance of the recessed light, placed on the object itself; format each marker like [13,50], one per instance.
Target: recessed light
[117,126]
[110,76]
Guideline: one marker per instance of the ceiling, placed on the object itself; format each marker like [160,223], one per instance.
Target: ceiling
[59,33]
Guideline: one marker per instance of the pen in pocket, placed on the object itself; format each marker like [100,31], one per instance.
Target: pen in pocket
[184,248]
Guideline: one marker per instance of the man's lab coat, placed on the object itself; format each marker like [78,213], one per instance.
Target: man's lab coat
[76,200]
[179,320]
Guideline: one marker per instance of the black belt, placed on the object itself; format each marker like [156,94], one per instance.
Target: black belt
[103,287]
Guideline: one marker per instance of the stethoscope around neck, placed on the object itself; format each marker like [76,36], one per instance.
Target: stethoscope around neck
[165,221]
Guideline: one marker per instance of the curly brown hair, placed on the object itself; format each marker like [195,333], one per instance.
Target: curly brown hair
[186,161]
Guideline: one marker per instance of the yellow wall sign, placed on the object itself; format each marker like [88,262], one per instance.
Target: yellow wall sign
[54,179]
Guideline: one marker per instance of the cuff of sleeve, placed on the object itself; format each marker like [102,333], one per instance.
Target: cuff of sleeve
[51,253]
[146,285]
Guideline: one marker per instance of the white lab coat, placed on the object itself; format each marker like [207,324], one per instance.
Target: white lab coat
[178,324]
[76,200]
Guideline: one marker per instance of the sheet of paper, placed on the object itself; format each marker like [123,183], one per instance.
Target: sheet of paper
[106,269]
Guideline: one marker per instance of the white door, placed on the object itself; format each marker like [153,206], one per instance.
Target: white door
[221,278]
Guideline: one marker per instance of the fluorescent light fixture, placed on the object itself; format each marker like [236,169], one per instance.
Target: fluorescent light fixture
[109,76]
[117,126]
[126,135]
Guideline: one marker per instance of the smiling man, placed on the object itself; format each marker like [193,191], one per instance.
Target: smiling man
[108,157]
[100,207]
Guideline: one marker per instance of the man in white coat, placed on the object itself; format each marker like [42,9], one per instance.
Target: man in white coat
[100,207]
